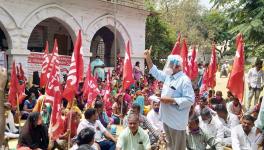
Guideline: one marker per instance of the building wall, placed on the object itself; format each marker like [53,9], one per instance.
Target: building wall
[18,19]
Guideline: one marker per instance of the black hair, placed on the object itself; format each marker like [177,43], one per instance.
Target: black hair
[260,99]
[205,112]
[89,113]
[249,118]
[195,118]
[85,136]
[137,63]
[98,104]
[220,108]
[258,62]
[136,106]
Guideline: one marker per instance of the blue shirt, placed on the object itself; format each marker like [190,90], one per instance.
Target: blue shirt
[178,87]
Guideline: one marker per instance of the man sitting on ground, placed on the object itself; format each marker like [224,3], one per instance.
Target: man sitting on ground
[153,115]
[144,123]
[133,137]
[91,121]
[235,107]
[211,125]
[203,103]
[244,135]
[197,139]
[228,121]
[85,139]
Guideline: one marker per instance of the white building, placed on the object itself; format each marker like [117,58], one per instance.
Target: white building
[25,25]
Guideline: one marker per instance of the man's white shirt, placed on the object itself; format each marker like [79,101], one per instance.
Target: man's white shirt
[255,78]
[241,141]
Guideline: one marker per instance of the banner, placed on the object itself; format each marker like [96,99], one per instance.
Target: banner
[35,60]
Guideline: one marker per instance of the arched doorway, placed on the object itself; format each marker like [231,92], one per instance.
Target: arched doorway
[3,41]
[48,30]
[103,45]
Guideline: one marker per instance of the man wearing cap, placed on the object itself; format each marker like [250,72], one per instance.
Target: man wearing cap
[176,99]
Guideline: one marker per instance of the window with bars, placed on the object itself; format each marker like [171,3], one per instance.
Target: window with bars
[101,49]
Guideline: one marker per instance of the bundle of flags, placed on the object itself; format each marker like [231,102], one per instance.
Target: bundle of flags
[209,76]
[90,88]
[190,67]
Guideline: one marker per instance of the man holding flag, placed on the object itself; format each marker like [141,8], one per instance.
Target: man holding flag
[176,99]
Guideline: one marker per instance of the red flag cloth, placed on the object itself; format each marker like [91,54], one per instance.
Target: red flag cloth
[54,57]
[204,86]
[193,65]
[90,87]
[107,96]
[177,47]
[21,73]
[53,78]
[127,70]
[212,69]
[76,70]
[13,88]
[44,66]
[236,79]
[53,93]
[184,55]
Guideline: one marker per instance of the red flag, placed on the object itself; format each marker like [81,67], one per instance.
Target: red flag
[204,86]
[13,88]
[76,70]
[90,88]
[184,55]
[127,71]
[44,66]
[193,65]
[236,79]
[54,57]
[53,94]
[21,73]
[107,95]
[177,47]
[53,78]
[212,68]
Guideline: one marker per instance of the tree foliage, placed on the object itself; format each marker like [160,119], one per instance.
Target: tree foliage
[159,34]
[247,17]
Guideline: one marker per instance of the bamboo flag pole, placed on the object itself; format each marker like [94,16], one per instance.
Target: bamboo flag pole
[69,126]
[18,111]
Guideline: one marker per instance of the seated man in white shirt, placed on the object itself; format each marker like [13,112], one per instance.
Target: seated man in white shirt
[211,125]
[203,103]
[133,137]
[235,107]
[244,136]
[10,129]
[91,121]
[228,121]
[153,116]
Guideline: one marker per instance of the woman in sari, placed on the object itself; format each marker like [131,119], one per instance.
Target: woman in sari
[34,134]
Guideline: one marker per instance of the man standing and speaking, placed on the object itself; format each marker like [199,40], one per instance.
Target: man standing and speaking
[176,99]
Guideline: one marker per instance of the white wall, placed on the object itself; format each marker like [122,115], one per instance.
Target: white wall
[19,17]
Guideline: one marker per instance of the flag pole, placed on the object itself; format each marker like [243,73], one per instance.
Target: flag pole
[69,126]
[18,111]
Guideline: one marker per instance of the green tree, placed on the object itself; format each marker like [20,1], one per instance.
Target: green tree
[215,27]
[159,35]
[247,17]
